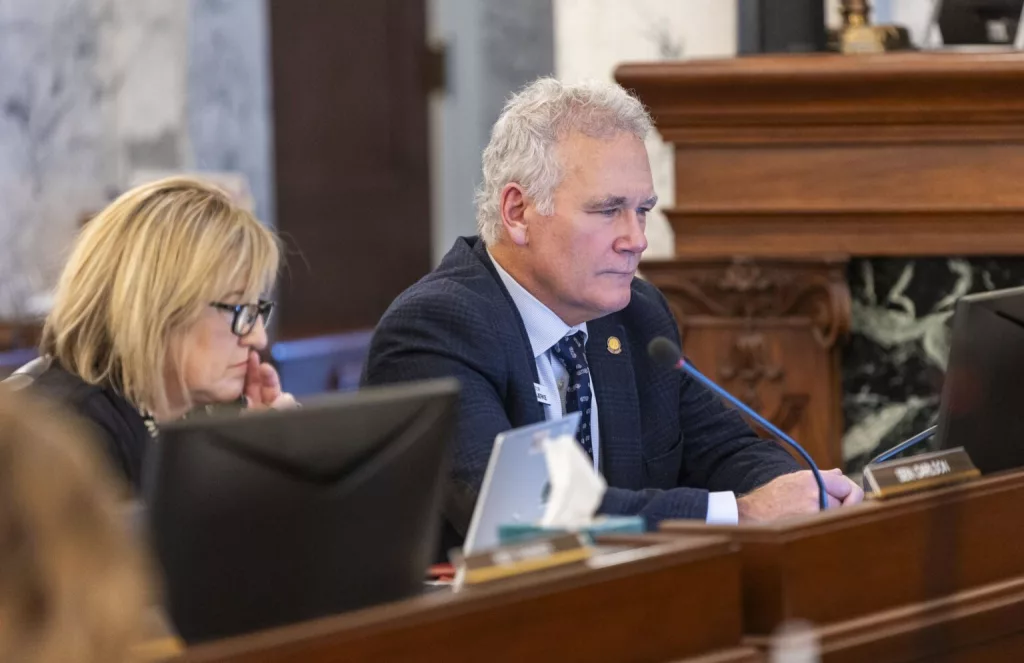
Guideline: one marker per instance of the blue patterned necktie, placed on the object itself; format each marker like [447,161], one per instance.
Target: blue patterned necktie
[572,353]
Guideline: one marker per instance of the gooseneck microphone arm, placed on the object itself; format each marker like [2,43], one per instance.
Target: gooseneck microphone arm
[904,445]
[667,353]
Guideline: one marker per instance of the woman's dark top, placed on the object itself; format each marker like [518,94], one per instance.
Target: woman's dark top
[118,426]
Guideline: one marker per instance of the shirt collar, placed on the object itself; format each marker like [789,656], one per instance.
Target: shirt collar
[543,326]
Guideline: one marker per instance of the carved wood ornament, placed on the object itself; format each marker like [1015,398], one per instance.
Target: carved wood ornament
[749,305]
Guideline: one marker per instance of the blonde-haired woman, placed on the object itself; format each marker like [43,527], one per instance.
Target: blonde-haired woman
[159,310]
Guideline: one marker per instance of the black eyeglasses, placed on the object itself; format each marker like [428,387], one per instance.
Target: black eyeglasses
[246,315]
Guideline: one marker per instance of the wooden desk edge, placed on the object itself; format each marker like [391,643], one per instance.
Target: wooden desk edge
[910,621]
[847,517]
[657,553]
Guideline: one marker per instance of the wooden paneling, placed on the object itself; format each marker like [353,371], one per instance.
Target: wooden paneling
[20,335]
[351,145]
[877,233]
[833,98]
[901,178]
[769,334]
[786,156]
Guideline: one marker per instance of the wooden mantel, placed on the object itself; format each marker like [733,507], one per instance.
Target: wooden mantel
[785,166]
[897,154]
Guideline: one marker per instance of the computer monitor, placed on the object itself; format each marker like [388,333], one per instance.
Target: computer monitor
[270,518]
[982,408]
[979,21]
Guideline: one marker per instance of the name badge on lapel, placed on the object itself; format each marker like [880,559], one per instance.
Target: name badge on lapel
[542,394]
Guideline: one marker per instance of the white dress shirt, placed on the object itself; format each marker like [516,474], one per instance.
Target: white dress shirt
[544,329]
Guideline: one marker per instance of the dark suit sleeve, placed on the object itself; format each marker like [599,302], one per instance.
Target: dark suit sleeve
[656,505]
[720,452]
[443,336]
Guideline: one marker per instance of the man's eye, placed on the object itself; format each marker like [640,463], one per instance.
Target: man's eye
[609,212]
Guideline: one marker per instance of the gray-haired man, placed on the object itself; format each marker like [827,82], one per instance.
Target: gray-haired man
[543,314]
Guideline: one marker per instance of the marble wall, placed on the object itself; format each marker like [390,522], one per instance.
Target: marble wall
[70,73]
[92,91]
[493,48]
[228,109]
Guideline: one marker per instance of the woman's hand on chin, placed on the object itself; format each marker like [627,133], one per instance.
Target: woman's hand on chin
[263,387]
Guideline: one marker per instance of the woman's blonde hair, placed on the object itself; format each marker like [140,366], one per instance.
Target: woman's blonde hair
[142,271]
[74,585]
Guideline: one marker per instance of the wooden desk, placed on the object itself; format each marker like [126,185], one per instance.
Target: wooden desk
[933,576]
[650,603]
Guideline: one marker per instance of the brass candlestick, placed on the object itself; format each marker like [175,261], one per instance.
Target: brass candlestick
[858,35]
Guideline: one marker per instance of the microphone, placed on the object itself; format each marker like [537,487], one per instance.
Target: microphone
[667,353]
[904,445]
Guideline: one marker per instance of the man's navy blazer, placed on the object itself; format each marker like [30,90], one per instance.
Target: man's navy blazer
[666,440]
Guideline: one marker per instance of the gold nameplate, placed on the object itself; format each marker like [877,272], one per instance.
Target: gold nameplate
[908,475]
[524,557]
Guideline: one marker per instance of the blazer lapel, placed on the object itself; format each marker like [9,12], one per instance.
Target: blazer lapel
[525,392]
[618,406]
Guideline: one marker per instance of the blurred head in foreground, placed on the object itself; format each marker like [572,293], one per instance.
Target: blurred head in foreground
[73,584]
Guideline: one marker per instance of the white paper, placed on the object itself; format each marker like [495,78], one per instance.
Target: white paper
[576,488]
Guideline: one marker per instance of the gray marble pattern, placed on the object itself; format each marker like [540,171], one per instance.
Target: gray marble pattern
[894,361]
[55,160]
[229,99]
[518,45]
[92,91]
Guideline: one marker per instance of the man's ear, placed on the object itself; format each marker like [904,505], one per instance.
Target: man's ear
[512,206]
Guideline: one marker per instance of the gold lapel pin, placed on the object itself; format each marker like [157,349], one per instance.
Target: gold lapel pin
[614,345]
